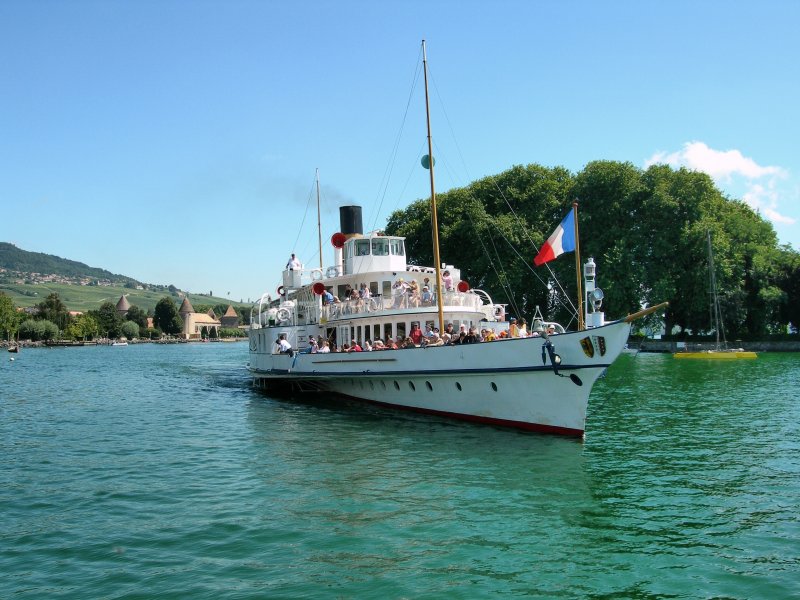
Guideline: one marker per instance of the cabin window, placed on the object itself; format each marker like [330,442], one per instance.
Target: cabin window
[373,288]
[397,247]
[380,247]
[362,247]
[401,330]
[377,330]
[387,331]
[387,290]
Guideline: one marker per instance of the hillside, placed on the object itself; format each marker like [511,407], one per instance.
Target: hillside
[18,261]
[29,277]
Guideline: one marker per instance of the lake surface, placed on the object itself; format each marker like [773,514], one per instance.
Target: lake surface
[157,471]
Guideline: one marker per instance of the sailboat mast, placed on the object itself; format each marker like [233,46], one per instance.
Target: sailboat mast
[319,224]
[712,278]
[434,220]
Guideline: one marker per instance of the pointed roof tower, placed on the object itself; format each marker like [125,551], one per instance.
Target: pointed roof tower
[211,313]
[123,306]
[186,306]
[230,312]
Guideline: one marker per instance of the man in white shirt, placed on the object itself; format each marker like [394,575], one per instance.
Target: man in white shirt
[293,264]
[284,347]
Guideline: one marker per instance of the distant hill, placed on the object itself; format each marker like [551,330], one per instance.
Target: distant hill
[28,277]
[22,261]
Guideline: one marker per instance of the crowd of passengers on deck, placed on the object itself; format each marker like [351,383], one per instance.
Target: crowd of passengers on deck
[404,294]
[419,339]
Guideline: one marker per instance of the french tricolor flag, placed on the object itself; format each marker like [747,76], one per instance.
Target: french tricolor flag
[562,240]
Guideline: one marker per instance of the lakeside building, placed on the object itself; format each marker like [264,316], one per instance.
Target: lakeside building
[195,323]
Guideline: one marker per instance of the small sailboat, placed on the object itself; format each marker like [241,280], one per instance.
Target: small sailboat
[720,350]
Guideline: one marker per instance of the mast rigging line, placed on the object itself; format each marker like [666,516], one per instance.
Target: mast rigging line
[563,294]
[387,174]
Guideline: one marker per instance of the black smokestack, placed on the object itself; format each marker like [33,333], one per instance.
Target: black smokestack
[350,220]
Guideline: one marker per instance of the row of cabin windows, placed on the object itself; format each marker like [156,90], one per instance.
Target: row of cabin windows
[379,246]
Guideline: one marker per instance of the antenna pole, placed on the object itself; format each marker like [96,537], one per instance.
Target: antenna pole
[319,225]
[581,322]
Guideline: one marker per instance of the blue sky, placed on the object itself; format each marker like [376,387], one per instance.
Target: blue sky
[176,141]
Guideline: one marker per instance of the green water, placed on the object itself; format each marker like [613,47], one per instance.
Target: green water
[156,471]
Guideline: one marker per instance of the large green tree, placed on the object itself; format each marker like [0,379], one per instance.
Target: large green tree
[647,231]
[166,317]
[108,320]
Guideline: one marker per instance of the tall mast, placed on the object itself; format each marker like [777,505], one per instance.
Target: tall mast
[434,219]
[319,225]
[712,279]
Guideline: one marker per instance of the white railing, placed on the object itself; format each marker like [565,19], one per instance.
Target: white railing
[379,304]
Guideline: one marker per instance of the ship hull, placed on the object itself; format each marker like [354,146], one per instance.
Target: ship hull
[510,383]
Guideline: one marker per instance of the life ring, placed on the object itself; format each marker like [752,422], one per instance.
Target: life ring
[316,274]
[331,272]
[281,290]
[283,315]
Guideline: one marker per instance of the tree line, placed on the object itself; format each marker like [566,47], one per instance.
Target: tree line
[51,320]
[646,230]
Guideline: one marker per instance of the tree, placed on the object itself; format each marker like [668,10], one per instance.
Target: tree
[38,330]
[130,330]
[8,316]
[138,316]
[166,317]
[82,327]
[108,320]
[52,309]
[647,231]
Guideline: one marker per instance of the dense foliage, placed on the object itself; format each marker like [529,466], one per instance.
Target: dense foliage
[646,230]
[166,317]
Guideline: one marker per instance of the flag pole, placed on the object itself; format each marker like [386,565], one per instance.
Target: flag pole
[581,324]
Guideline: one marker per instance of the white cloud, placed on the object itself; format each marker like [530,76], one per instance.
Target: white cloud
[731,169]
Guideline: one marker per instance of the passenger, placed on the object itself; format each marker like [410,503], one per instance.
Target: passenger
[378,345]
[513,330]
[427,297]
[327,297]
[523,328]
[447,281]
[293,264]
[324,347]
[409,343]
[313,348]
[413,294]
[461,339]
[490,336]
[399,294]
[283,346]
[355,347]
[364,292]
[434,340]
[447,336]
[367,346]
[428,330]
[416,334]
[472,337]
[390,344]
[551,330]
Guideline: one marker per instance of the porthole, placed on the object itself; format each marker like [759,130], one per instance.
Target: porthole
[429,386]
[412,386]
[458,385]
[494,386]
[396,385]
